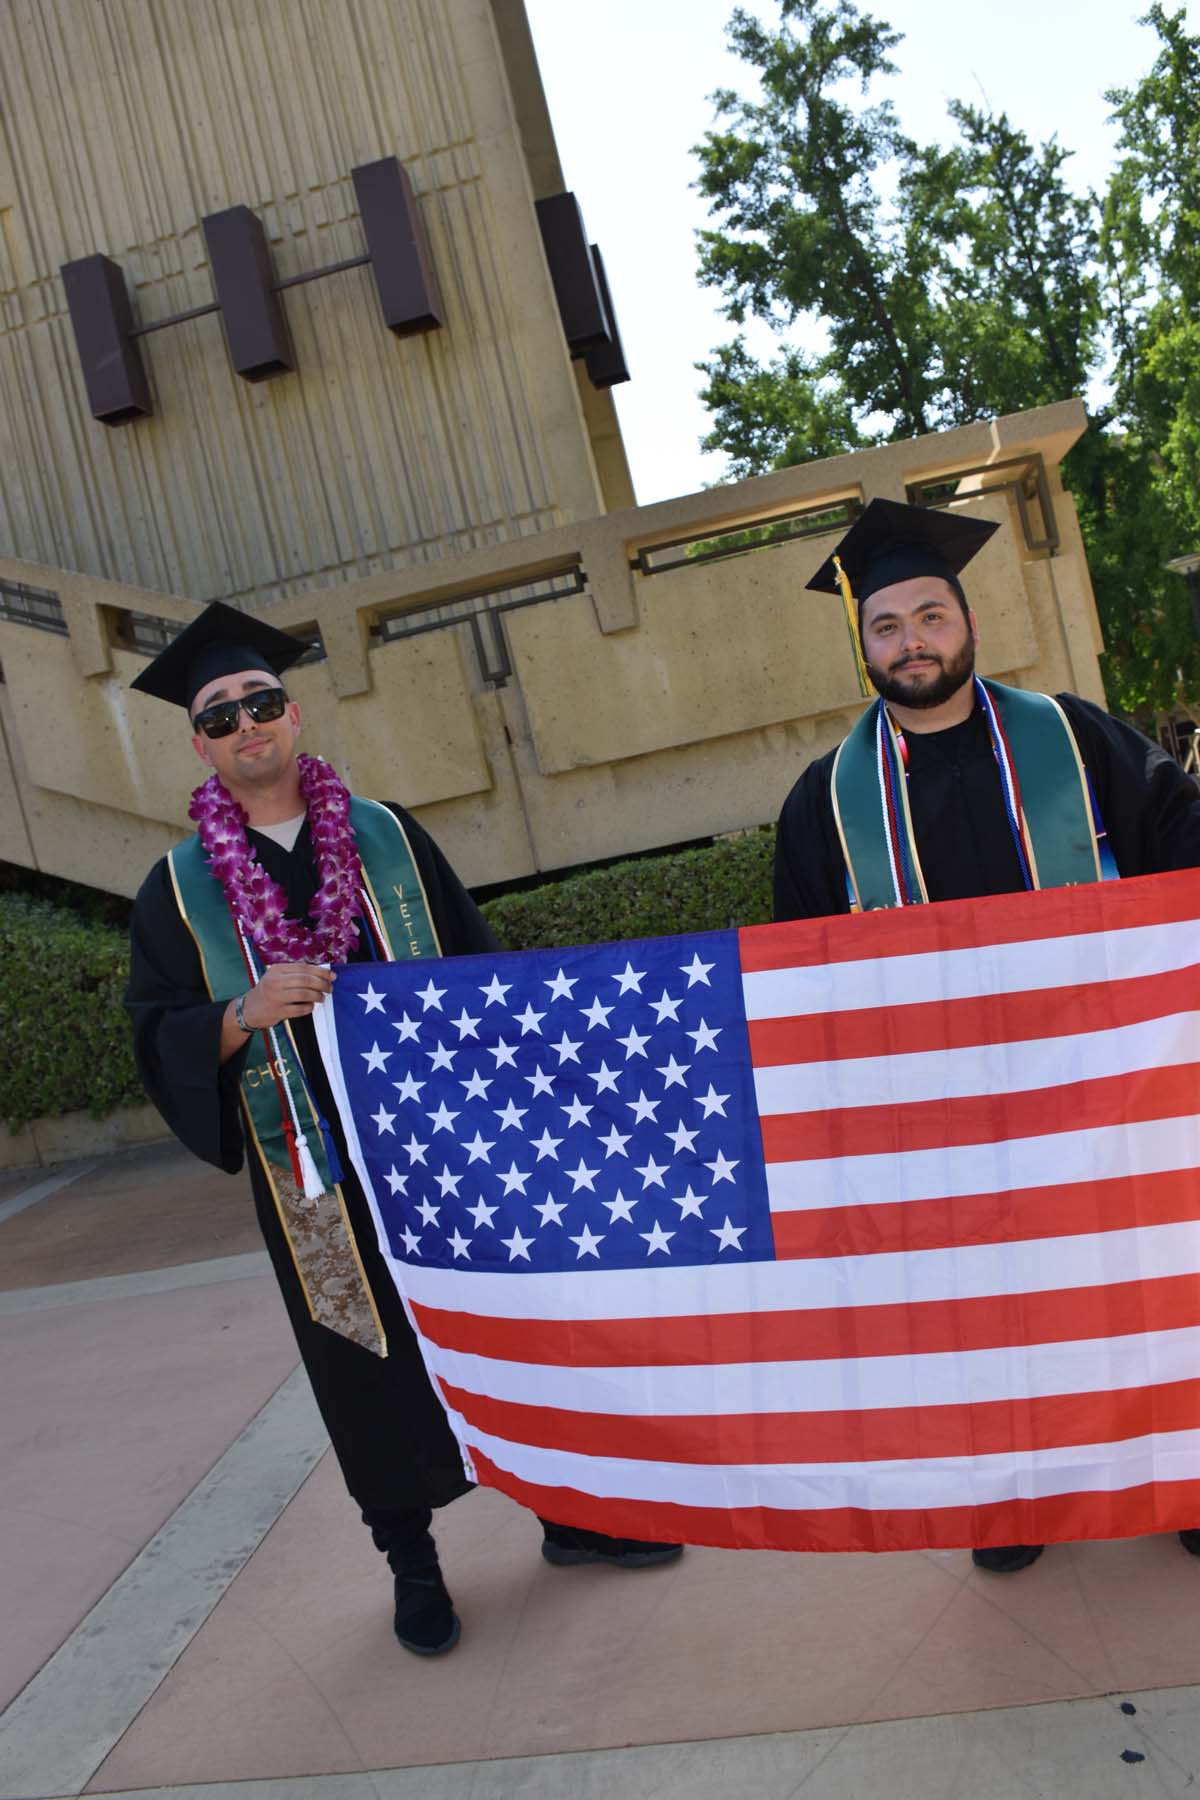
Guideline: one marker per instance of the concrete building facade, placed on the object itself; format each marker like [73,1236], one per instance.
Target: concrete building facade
[545,672]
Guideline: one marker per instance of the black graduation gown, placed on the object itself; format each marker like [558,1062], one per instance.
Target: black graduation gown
[1150,809]
[387,1426]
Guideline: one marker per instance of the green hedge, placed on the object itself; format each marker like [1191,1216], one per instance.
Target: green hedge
[65,1042]
[727,883]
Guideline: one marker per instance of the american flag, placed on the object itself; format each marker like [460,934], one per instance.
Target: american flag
[862,1233]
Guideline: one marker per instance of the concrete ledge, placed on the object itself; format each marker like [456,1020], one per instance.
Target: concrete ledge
[44,1142]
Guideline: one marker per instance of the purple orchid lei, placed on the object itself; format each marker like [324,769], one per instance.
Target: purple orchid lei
[255,900]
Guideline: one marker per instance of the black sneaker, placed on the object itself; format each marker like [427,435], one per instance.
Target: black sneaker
[1006,1559]
[426,1622]
[1190,1540]
[566,1546]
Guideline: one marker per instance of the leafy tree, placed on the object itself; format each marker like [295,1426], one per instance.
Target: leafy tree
[955,283]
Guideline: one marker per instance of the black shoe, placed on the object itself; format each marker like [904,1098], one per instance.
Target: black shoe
[1006,1559]
[426,1622]
[566,1546]
[1191,1541]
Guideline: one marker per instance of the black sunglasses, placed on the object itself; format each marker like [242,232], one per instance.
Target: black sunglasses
[222,717]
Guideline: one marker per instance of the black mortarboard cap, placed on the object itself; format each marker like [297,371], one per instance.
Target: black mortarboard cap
[891,543]
[221,641]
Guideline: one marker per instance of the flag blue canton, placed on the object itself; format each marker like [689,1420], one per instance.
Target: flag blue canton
[588,1108]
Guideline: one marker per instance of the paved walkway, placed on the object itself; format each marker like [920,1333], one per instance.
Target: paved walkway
[191,1608]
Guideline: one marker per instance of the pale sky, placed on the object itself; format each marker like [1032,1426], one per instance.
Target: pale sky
[628,89]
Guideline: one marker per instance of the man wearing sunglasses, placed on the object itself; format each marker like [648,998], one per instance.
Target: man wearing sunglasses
[288,872]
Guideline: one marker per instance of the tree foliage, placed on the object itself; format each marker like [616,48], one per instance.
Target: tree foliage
[955,282]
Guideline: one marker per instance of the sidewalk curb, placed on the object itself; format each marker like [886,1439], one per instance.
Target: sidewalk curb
[44,1142]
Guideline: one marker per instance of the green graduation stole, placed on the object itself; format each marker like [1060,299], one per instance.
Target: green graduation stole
[1059,837]
[318,1229]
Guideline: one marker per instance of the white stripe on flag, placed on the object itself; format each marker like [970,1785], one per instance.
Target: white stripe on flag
[875,1486]
[1028,1267]
[1002,1068]
[1036,963]
[854,1384]
[1059,1159]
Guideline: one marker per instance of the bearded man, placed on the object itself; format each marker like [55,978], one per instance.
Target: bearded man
[232,941]
[951,787]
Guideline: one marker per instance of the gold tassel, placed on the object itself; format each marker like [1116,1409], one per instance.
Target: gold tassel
[851,611]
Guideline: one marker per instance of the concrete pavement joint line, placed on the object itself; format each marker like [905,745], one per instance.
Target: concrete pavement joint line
[60,1728]
[1070,1748]
[131,1287]
[41,1190]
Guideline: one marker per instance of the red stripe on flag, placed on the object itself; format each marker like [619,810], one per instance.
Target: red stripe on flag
[1160,1093]
[1058,1518]
[969,924]
[985,1019]
[920,1327]
[1117,1204]
[870,1434]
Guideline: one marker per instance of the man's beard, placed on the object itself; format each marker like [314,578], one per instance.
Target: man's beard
[920,693]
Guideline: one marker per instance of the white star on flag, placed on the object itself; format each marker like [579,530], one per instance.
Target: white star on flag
[697,971]
[540,1082]
[551,1210]
[705,1036]
[641,1108]
[658,1239]
[605,1079]
[495,991]
[383,1120]
[443,1119]
[566,1049]
[529,1021]
[429,1212]
[666,1008]
[477,1149]
[416,1152]
[729,1237]
[510,1115]
[722,1169]
[441,1058]
[588,1244]
[516,1245]
[595,1014]
[583,1176]
[447,1182]
[505,1054]
[374,1001]
[466,1024]
[614,1143]
[651,1172]
[409,1029]
[482,1213]
[560,988]
[546,1145]
[630,979]
[682,1138]
[712,1102]
[577,1113]
[408,1089]
[514,1181]
[634,1042]
[458,1243]
[673,1073]
[619,1208]
[690,1205]
[397,1183]
[410,1240]
[431,996]
[375,1059]
[476,1088]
